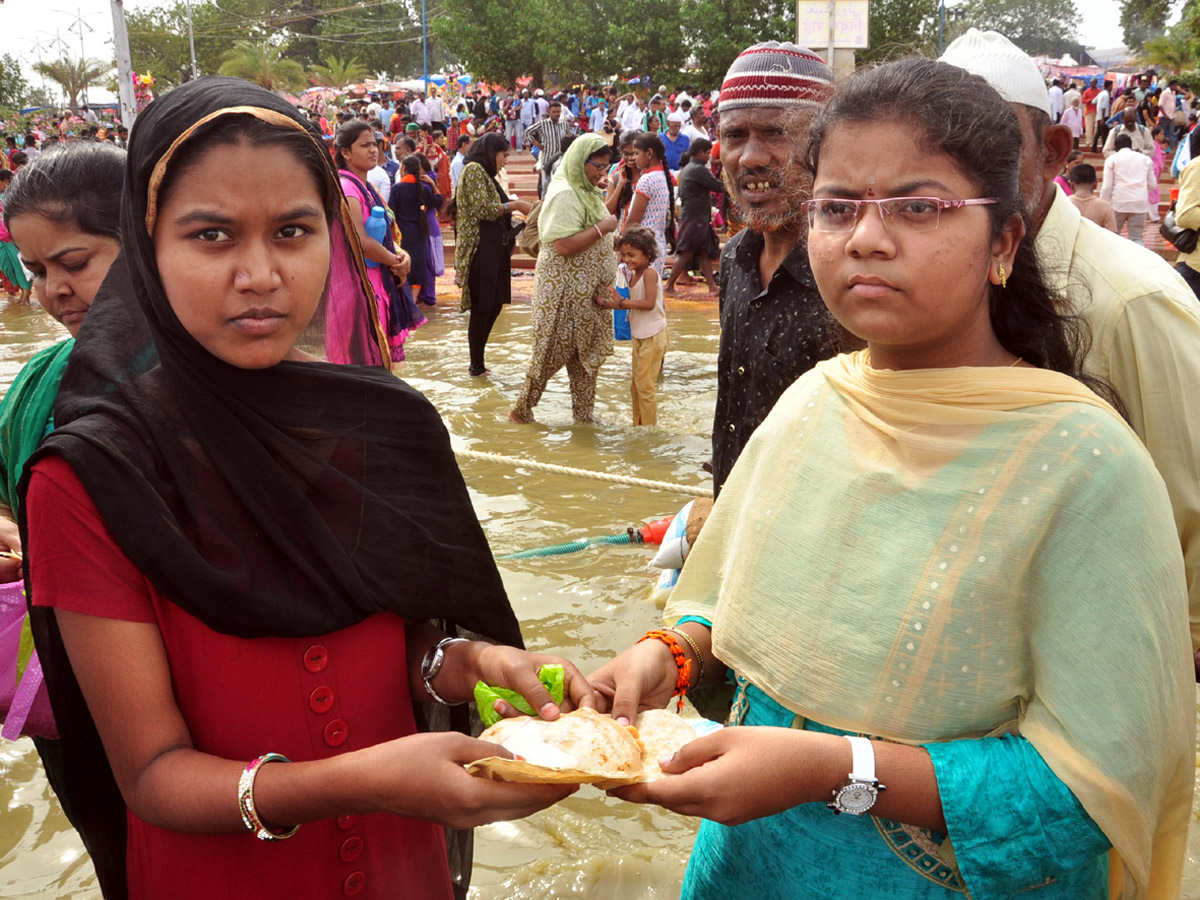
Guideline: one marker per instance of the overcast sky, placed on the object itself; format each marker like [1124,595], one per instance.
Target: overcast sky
[25,24]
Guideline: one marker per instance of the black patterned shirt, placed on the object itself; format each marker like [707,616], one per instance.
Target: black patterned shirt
[769,338]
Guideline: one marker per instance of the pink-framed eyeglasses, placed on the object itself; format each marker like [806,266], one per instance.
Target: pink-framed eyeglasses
[835,215]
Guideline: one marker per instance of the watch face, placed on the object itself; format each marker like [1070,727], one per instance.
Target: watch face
[857,798]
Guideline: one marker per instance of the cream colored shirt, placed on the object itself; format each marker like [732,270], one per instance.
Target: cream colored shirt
[1145,324]
[1187,209]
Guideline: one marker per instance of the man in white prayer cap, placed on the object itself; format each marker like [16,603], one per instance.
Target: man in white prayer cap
[1144,319]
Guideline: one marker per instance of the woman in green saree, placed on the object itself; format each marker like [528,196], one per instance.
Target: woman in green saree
[61,210]
[575,264]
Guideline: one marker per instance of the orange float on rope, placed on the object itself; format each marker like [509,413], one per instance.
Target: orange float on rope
[653,532]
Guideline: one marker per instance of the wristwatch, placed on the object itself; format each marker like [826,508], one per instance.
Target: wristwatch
[859,794]
[432,664]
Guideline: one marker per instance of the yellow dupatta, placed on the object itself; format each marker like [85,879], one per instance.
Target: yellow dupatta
[955,553]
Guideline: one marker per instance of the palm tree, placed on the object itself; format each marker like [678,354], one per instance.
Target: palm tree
[262,63]
[1173,51]
[338,72]
[74,77]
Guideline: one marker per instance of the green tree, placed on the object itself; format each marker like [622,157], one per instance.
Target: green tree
[337,72]
[1036,26]
[262,63]
[158,43]
[385,36]
[13,87]
[646,36]
[901,28]
[1172,52]
[495,39]
[718,30]
[1142,20]
[74,76]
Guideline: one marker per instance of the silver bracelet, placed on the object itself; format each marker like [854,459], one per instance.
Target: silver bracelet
[432,664]
[599,232]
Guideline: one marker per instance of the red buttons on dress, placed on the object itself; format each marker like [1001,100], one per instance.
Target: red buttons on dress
[350,849]
[354,883]
[336,733]
[316,658]
[346,822]
[321,700]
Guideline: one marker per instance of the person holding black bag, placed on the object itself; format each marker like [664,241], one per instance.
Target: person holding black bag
[1186,215]
[484,240]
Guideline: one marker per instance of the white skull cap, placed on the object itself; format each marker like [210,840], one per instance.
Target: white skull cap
[1002,64]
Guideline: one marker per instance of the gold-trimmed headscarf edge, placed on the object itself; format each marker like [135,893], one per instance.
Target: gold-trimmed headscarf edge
[160,168]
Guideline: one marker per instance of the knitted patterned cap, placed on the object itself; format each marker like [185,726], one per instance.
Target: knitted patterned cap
[1002,64]
[775,74]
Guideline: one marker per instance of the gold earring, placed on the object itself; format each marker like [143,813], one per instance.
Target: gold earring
[1003,277]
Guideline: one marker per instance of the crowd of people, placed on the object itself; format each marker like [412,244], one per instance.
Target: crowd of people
[950,578]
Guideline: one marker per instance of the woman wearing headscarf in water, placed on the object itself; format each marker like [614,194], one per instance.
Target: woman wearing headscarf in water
[482,213]
[210,541]
[575,265]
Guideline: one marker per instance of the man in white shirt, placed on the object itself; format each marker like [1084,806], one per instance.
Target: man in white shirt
[1128,179]
[1103,111]
[1144,319]
[456,164]
[1056,101]
[529,112]
[631,119]
[374,108]
[437,112]
[598,115]
[419,109]
[695,127]
[1069,96]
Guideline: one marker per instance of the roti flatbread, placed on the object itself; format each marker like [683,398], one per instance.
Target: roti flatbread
[662,733]
[580,747]
[583,747]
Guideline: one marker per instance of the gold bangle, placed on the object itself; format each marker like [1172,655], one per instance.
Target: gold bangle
[695,649]
[246,800]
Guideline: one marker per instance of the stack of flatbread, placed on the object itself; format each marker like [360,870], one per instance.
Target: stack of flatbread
[583,747]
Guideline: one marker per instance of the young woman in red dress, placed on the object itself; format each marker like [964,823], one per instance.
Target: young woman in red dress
[247,606]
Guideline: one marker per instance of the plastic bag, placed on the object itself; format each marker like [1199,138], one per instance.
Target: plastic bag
[551,675]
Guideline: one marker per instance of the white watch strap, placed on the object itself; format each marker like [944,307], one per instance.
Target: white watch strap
[863,756]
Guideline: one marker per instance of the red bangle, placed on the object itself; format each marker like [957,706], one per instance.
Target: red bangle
[683,665]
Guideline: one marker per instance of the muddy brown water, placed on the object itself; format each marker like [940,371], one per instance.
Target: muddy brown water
[586,606]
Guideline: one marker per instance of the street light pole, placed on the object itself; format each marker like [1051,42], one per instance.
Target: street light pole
[425,46]
[192,42]
[941,24]
[124,65]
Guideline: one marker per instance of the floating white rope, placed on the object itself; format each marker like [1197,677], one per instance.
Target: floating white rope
[690,490]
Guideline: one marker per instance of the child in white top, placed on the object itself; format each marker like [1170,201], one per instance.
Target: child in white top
[637,249]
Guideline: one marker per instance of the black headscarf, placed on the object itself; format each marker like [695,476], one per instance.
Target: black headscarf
[290,501]
[485,149]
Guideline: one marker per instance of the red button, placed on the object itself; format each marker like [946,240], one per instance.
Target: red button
[321,700]
[354,883]
[350,849]
[336,733]
[316,658]
[346,822]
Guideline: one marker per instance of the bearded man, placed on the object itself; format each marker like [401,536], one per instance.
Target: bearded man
[1143,318]
[774,325]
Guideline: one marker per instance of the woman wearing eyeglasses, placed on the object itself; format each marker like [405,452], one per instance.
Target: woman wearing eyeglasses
[942,574]
[576,264]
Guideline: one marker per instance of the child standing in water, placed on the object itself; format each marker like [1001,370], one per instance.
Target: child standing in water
[637,248]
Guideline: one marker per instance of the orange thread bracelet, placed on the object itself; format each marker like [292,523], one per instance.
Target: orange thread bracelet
[683,665]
